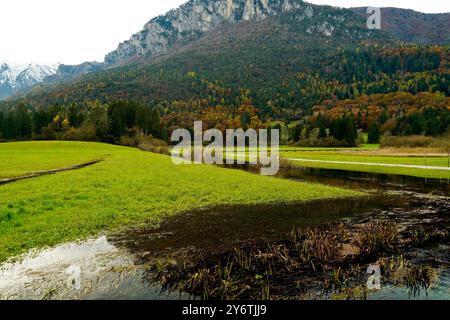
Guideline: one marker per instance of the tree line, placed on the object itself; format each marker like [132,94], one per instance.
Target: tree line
[397,114]
[333,123]
[91,121]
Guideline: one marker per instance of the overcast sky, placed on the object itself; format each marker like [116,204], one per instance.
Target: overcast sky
[73,31]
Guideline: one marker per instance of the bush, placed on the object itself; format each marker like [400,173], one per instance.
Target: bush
[155,149]
[70,135]
[145,143]
[324,143]
[150,144]
[128,141]
[85,133]
[48,134]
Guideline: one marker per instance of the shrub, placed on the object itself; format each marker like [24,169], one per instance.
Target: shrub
[154,145]
[323,143]
[86,133]
[128,141]
[48,134]
[71,135]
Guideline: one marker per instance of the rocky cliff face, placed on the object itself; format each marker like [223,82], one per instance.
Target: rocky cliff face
[68,72]
[193,19]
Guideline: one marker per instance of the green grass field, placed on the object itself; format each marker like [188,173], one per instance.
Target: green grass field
[129,188]
[338,156]
[20,158]
[382,159]
[331,149]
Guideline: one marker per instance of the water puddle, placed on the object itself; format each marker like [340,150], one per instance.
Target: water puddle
[91,269]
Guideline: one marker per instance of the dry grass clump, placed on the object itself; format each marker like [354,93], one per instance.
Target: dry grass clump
[377,237]
[436,144]
[309,260]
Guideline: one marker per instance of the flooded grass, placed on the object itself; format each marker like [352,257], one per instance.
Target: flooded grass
[377,237]
[420,277]
[311,260]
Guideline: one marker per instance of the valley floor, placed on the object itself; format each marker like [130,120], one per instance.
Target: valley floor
[127,188]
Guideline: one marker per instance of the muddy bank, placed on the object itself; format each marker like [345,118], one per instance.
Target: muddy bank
[48,172]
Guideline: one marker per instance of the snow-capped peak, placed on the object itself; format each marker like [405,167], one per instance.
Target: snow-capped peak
[15,77]
[11,72]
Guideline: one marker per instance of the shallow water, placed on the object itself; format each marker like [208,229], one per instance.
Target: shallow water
[438,291]
[218,227]
[91,269]
[363,180]
[356,180]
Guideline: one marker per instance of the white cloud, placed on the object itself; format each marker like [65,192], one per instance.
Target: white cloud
[73,31]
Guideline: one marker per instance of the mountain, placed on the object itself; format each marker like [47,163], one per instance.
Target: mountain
[241,52]
[18,77]
[196,17]
[283,54]
[193,19]
[69,72]
[414,27]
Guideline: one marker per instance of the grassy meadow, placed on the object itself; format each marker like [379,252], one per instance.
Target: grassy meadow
[20,158]
[128,188]
[352,157]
